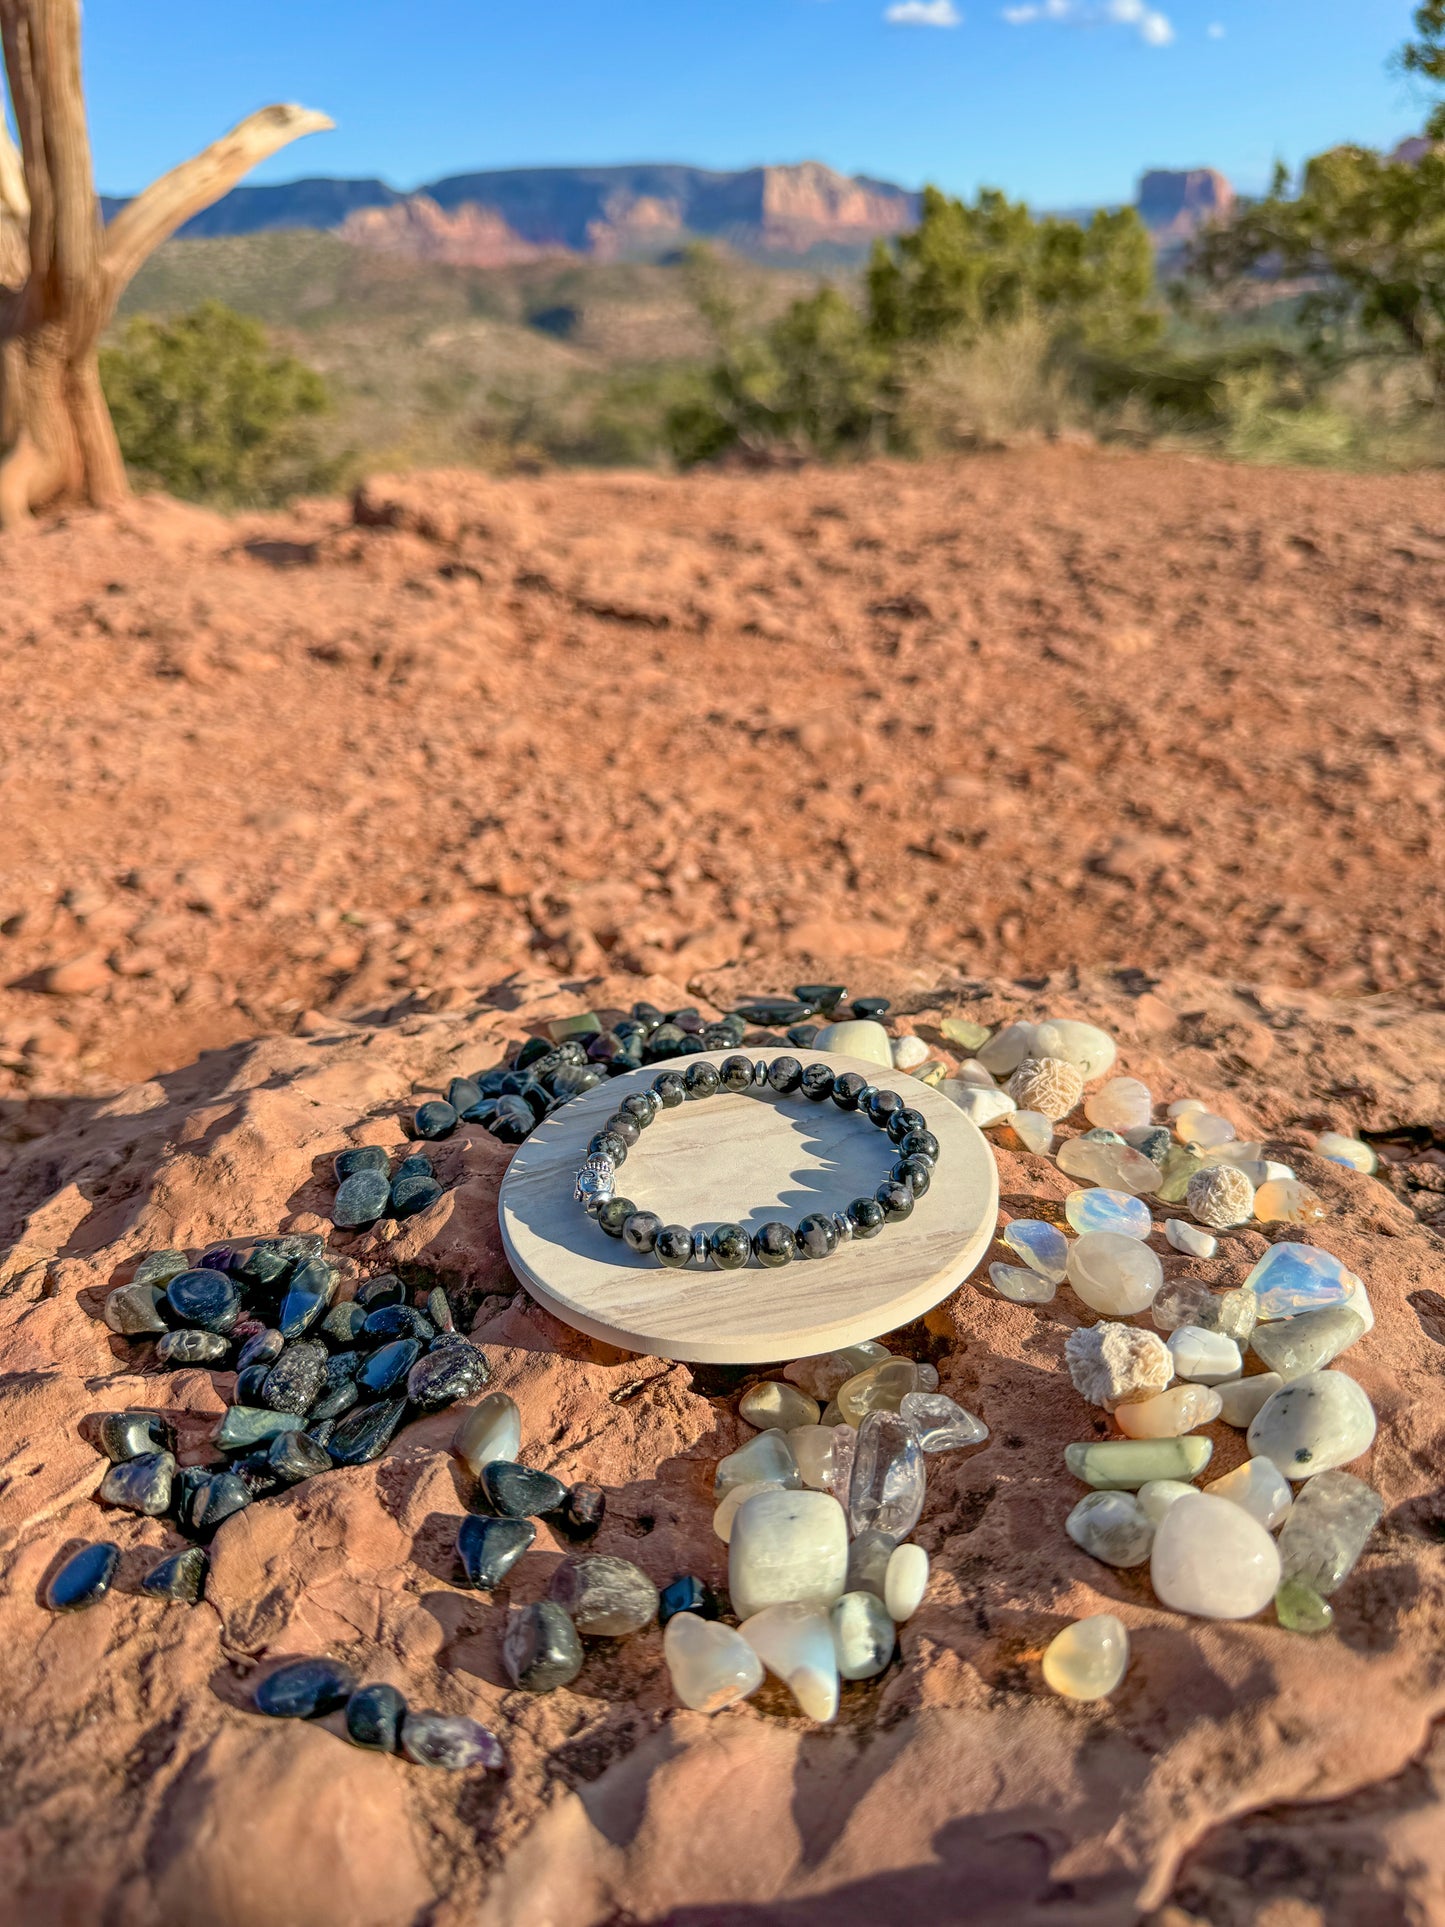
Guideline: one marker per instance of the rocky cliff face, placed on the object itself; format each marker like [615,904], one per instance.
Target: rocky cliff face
[469,237]
[1174,206]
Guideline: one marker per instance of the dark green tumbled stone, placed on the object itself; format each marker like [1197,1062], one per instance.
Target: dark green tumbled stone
[262,1265]
[519,1491]
[771,1013]
[129,1435]
[304,1689]
[512,1120]
[673,1246]
[181,1577]
[332,1403]
[216,1499]
[802,1036]
[159,1267]
[365,1432]
[729,1247]
[247,1425]
[462,1093]
[142,1484]
[84,1578]
[203,1300]
[775,1244]
[361,1199]
[488,1548]
[666,1041]
[373,1718]
[264,1348]
[438,1309]
[614,1215]
[360,1157]
[250,1383]
[309,1292]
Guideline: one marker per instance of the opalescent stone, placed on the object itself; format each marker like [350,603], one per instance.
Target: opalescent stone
[1113,1527]
[887,1488]
[823,1375]
[941,1424]
[1185,1301]
[1115,1275]
[1118,1211]
[491,1429]
[1204,1357]
[1308,1342]
[795,1642]
[788,1547]
[1211,1559]
[1242,1397]
[1352,1152]
[869,1557]
[1292,1278]
[905,1582]
[1313,1424]
[881,1388]
[1204,1130]
[1260,1487]
[1300,1609]
[1158,1495]
[1120,1105]
[1123,1465]
[712,1665]
[864,1637]
[1326,1532]
[1087,1660]
[1033,1130]
[1191,1239]
[767,1457]
[1170,1414]
[1117,1167]
[776,1406]
[1042,1246]
[1022,1285]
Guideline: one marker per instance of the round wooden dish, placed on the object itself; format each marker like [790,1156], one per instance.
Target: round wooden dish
[745,1159]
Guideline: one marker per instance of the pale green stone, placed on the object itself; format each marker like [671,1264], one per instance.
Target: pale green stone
[1179,1168]
[1326,1532]
[863,1635]
[1307,1343]
[768,1456]
[1123,1465]
[775,1406]
[1113,1527]
[1300,1609]
[966,1034]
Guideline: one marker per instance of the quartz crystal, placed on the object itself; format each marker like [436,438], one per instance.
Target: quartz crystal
[712,1666]
[1118,1167]
[1350,1151]
[1313,1424]
[768,1457]
[491,1429]
[787,1547]
[1123,1465]
[881,1388]
[1260,1487]
[887,1488]
[1033,1130]
[1047,1085]
[1114,1275]
[868,1561]
[824,1375]
[795,1642]
[775,1406]
[1294,1346]
[1088,1659]
[1287,1201]
[1300,1609]
[1292,1278]
[1203,1129]
[1189,1239]
[1022,1285]
[1168,1415]
[1091,1050]
[840,1465]
[1326,1532]
[813,1449]
[1158,1495]
[983,1107]
[1042,1246]
[941,1424]
[736,1495]
[1113,1527]
[857,1038]
[905,1582]
[1212,1559]
[1220,1195]
[1118,1211]
[1120,1105]
[1110,1362]
[863,1635]
[1204,1357]
[1241,1398]
[1006,1049]
[1185,1301]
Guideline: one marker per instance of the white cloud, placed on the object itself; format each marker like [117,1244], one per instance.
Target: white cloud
[924,13]
[1154,28]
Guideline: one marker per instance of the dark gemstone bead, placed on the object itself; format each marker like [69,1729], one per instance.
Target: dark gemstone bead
[191,1348]
[866,1217]
[250,1384]
[775,1244]
[604,1596]
[487,1549]
[342,1324]
[296,1456]
[785,1074]
[462,1093]
[140,1485]
[847,1090]
[687,1594]
[903,1122]
[896,1200]
[802,1036]
[439,1309]
[614,1214]
[130,1435]
[361,1157]
[518,1491]
[264,1264]
[532,1052]
[84,1578]
[385,1289]
[729,1247]
[824,998]
[582,1516]
[817,1083]
[181,1576]
[702,1079]
[870,1006]
[295,1381]
[373,1718]
[333,1403]
[365,1432]
[385,1370]
[203,1300]
[450,1741]
[639,1232]
[817,1236]
[412,1194]
[304,1689]
[642,1107]
[883,1105]
[920,1144]
[448,1373]
[669,1089]
[673,1246]
[396,1321]
[607,1144]
[735,1073]
[511,1121]
[769,1013]
[215,1500]
[916,1173]
[627,1128]
[540,1648]
[436,1119]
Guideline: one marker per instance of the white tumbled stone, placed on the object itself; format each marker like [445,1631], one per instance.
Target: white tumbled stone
[909,1053]
[1110,1362]
[1241,1398]
[768,1456]
[1204,1130]
[863,1635]
[1189,1239]
[1260,1487]
[1092,1051]
[1213,1560]
[1350,1151]
[1112,1527]
[1158,1495]
[1115,1275]
[712,1665]
[857,1037]
[795,1642]
[787,1547]
[1120,1105]
[1006,1049]
[1033,1130]
[983,1107]
[1022,1284]
[727,1507]
[1313,1424]
[905,1582]
[1204,1357]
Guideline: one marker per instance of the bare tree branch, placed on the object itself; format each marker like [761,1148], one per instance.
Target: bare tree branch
[171,201]
[13,198]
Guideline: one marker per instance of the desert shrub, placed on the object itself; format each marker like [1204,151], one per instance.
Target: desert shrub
[205,408]
[1011,382]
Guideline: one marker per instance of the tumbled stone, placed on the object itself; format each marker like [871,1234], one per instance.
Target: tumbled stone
[1153,1141]
[712,1666]
[582,1512]
[687,1594]
[1352,1152]
[413,1192]
[304,1689]
[135,1310]
[342,1324]
[886,1491]
[1186,1301]
[1189,1239]
[384,1289]
[451,1372]
[1327,1530]
[1300,1609]
[386,1369]
[1002,1053]
[795,1642]
[1022,1285]
[1241,1398]
[180,1577]
[1178,1171]
[1091,1050]
[1260,1487]
[1110,1362]
[1042,1246]
[964,1032]
[434,1119]
[855,1038]
[1204,1357]
[942,1424]
[605,1596]
[519,1491]
[359,1157]
[191,1348]
[1307,1343]
[823,1375]
[1313,1424]
[1158,1495]
[767,1457]
[373,1717]
[361,1199]
[777,1406]
[908,1053]
[1120,1104]
[203,1300]
[245,1425]
[905,1582]
[881,1388]
[540,1648]
[1087,1660]
[812,1447]
[1116,1211]
[295,1381]
[864,1637]
[787,1546]
[1047,1085]
[982,1107]
[1033,1130]
[450,1741]
[128,1435]
[1117,1167]
[1203,1129]
[365,1432]
[387,1323]
[84,1578]
[491,1429]
[215,1498]
[1294,1278]
[1112,1527]
[488,1548]
[1213,1560]
[1287,1201]
[159,1267]
[1168,1414]
[1123,1465]
[295,1456]
[1114,1275]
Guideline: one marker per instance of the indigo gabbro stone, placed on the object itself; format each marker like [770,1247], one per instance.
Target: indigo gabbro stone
[729,1247]
[847,1090]
[687,1594]
[396,1321]
[415,1192]
[304,1689]
[451,1372]
[670,1090]
[214,1499]
[365,1433]
[361,1199]
[360,1157]
[775,1244]
[203,1300]
[605,1596]
[129,1435]
[191,1348]
[518,1492]
[311,1289]
[487,1549]
[141,1484]
[386,1369]
[384,1289]
[785,1074]
[246,1425]
[866,1217]
[915,1173]
[896,1200]
[639,1232]
[613,1215]
[817,1083]
[180,1577]
[582,1516]
[263,1348]
[373,1718]
[159,1267]
[540,1648]
[435,1120]
[294,1382]
[342,1324]
[294,1456]
[134,1311]
[673,1246]
[817,1236]
[702,1080]
[450,1740]
[84,1578]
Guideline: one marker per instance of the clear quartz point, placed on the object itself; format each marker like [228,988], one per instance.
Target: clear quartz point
[941,1424]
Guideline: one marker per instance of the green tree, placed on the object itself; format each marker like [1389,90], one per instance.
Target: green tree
[205,408]
[1425,55]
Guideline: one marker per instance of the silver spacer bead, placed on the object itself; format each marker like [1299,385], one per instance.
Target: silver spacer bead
[700,1252]
[760,1071]
[844,1224]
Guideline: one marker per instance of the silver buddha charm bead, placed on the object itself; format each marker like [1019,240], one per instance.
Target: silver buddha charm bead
[594,1182]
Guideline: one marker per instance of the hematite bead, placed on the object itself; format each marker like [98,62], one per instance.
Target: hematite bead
[669,1089]
[614,1214]
[699,1247]
[785,1074]
[760,1072]
[896,1200]
[702,1080]
[775,1244]
[639,1232]
[673,1246]
[817,1235]
[735,1073]
[847,1090]
[883,1105]
[730,1247]
[866,1217]
[627,1128]
[916,1173]
[842,1224]
[817,1082]
[920,1144]
[904,1121]
[607,1144]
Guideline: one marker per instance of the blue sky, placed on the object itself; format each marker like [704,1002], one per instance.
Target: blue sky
[1062,102]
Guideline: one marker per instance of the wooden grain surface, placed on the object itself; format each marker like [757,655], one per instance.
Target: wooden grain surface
[745,1159]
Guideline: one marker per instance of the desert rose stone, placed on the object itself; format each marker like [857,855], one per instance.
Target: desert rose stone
[1087,1660]
[1313,1424]
[712,1666]
[1213,1560]
[787,1547]
[795,1642]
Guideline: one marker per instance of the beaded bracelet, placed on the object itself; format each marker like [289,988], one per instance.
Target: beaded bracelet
[729,1246]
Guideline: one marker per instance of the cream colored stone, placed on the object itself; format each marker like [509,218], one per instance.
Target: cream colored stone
[1120,1105]
[813,1449]
[712,1665]
[796,1643]
[1240,1400]
[1091,1050]
[491,1430]
[908,1053]
[1203,1130]
[1158,1495]
[1088,1659]
[1213,1560]
[727,1507]
[1033,1130]
[1260,1487]
[1006,1049]
[787,1547]
[1115,1275]
[1314,1424]
[982,1107]
[776,1406]
[905,1582]
[1189,1239]
[1204,1357]
[858,1037]
[1169,1415]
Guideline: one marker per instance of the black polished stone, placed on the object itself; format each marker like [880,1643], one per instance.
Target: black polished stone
[866,1217]
[896,1200]
[736,1073]
[250,1383]
[817,1083]
[518,1491]
[340,1367]
[774,1244]
[916,1173]
[333,1403]
[687,1594]
[262,1348]
[532,1052]
[488,1548]
[670,1089]
[613,1215]
[847,1089]
[304,1689]
[438,1309]
[396,1321]
[373,1718]
[540,1648]
[870,1006]
[203,1300]
[321,1429]
[258,1474]
[435,1119]
[365,1432]
[84,1578]
[581,1517]
[385,1289]
[448,1372]
[360,1200]
[702,1079]
[181,1576]
[785,1074]
[627,1128]
[817,1235]
[295,1381]
[641,1106]
[216,1499]
[905,1121]
[342,1324]
[451,1741]
[262,1265]
[648,1015]
[385,1370]
[771,1013]
[920,1144]
[191,1348]
[802,1036]
[673,1246]
[296,1456]
[309,1291]
[882,1106]
[572,1079]
[824,998]
[414,1194]
[639,1232]
[360,1157]
[729,1247]
[462,1093]
[129,1435]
